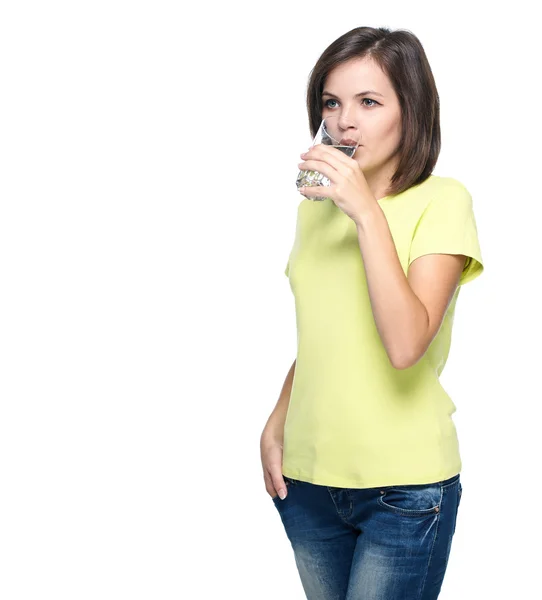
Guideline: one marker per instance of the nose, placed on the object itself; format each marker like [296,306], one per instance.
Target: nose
[346,123]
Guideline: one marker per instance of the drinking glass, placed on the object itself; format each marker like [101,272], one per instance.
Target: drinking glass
[331,133]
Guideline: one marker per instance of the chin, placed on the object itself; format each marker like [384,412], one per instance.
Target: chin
[361,160]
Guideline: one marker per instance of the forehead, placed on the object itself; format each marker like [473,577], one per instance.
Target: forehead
[356,75]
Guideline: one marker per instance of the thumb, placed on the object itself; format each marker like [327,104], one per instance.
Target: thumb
[279,483]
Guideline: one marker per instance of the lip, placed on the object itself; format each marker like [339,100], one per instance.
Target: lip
[348,142]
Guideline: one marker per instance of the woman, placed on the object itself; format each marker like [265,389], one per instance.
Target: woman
[360,454]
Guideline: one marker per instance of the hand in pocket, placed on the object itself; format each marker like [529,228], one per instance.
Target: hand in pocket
[271,456]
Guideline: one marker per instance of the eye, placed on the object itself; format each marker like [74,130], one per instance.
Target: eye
[374,102]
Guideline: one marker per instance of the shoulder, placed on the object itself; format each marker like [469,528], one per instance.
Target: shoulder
[448,186]
[444,193]
[436,186]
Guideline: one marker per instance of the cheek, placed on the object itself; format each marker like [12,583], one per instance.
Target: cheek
[385,135]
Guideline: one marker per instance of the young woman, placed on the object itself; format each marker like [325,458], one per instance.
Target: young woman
[360,454]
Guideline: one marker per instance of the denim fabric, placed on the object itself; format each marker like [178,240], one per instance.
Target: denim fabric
[385,543]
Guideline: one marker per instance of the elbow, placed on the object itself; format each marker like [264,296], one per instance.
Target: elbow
[410,349]
[405,360]
[401,364]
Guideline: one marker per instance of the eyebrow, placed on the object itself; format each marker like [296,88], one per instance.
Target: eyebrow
[324,93]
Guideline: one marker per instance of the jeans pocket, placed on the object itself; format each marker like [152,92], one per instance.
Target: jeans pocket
[411,500]
[289,482]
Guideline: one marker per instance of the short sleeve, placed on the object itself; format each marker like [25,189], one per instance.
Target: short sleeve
[448,226]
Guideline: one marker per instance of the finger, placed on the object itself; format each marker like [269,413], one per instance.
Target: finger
[269,487]
[278,482]
[317,191]
[322,167]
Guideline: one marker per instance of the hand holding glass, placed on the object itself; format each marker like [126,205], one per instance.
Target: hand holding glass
[345,138]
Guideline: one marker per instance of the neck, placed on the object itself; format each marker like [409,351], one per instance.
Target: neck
[379,186]
[379,180]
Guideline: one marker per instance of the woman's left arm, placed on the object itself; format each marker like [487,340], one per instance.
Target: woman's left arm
[408,310]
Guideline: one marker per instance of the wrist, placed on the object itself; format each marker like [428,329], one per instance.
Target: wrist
[365,218]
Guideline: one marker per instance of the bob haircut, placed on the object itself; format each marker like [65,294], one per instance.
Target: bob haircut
[402,58]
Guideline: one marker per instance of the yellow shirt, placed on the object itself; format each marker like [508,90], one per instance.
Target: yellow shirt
[353,419]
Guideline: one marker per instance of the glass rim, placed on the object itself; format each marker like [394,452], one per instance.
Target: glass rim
[323,129]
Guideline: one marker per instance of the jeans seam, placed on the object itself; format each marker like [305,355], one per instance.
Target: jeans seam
[422,589]
[339,514]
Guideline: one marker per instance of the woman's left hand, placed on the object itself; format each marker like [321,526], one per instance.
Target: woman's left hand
[349,189]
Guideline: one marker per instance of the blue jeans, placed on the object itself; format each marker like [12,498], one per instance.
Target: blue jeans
[385,543]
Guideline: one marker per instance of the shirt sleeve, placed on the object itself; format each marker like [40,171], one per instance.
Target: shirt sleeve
[448,226]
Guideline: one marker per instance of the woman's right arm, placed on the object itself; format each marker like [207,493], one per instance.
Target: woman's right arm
[272,439]
[274,428]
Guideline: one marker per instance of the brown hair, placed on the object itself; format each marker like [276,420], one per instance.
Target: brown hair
[402,58]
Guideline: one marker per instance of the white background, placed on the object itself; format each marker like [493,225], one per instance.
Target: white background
[148,159]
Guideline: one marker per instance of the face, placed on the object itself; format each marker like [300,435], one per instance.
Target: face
[377,114]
